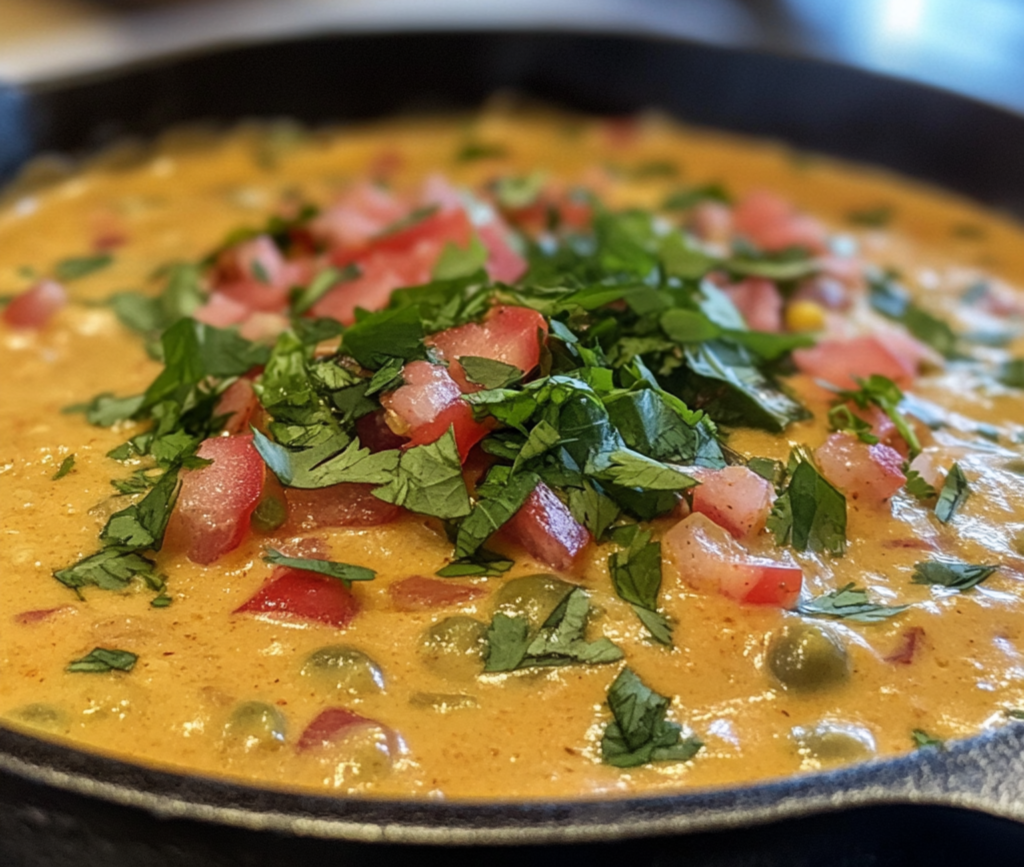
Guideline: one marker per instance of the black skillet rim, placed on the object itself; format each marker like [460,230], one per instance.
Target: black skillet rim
[985,773]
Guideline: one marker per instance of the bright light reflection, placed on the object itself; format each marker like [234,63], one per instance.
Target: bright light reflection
[902,18]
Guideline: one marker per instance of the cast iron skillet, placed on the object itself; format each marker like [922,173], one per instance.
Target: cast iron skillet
[62,806]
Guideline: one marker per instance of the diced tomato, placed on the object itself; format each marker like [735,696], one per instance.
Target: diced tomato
[238,403]
[545,528]
[349,504]
[35,307]
[905,651]
[504,263]
[511,335]
[759,302]
[221,311]
[425,594]
[254,295]
[711,221]
[333,726]
[709,559]
[264,327]
[427,391]
[927,466]
[841,362]
[866,473]
[216,501]
[773,224]
[257,259]
[297,593]
[882,427]
[475,467]
[374,433]
[428,404]
[43,615]
[358,216]
[735,498]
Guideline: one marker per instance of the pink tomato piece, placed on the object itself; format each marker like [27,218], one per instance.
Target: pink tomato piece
[710,560]
[349,504]
[358,216]
[220,311]
[545,528]
[215,503]
[238,403]
[35,307]
[842,362]
[332,727]
[866,473]
[428,404]
[297,593]
[773,224]
[759,302]
[735,498]
[511,335]
[426,594]
[504,263]
[255,295]
[257,260]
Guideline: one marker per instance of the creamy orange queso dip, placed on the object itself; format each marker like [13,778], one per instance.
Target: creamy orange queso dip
[947,667]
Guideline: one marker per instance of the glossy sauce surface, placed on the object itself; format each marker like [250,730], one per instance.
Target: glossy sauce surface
[529,734]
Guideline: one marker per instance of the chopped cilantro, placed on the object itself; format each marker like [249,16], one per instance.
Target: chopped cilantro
[923,740]
[685,199]
[640,733]
[77,267]
[490,373]
[112,568]
[344,572]
[1011,373]
[954,491]
[495,505]
[872,218]
[891,300]
[66,466]
[429,480]
[917,487]
[559,641]
[882,392]
[483,562]
[849,603]
[474,150]
[101,660]
[303,299]
[810,514]
[161,601]
[636,575]
[951,573]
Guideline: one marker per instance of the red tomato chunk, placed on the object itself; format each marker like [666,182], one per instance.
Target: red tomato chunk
[710,560]
[297,593]
[216,501]
[34,308]
[349,504]
[735,498]
[545,528]
[866,473]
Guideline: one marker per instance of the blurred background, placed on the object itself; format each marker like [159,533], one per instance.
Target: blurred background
[970,46]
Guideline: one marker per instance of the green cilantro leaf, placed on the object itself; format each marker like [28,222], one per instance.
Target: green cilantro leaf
[923,740]
[455,261]
[378,337]
[810,514]
[344,572]
[951,573]
[101,660]
[77,267]
[954,491]
[304,299]
[886,395]
[871,218]
[66,466]
[849,603]
[429,480]
[636,576]
[141,526]
[892,300]
[492,510]
[560,641]
[110,569]
[640,733]
[473,150]
[483,562]
[917,487]
[490,373]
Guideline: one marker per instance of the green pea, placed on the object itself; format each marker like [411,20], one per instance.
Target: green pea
[270,513]
[806,657]
[834,743]
[532,596]
[344,669]
[442,703]
[255,725]
[454,647]
[45,717]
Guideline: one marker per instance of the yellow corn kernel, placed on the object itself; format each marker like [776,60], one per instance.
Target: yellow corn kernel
[805,316]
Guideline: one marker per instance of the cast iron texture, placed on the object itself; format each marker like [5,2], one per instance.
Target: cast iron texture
[57,804]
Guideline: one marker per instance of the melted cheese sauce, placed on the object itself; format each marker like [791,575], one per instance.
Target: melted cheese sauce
[531,734]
